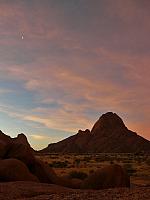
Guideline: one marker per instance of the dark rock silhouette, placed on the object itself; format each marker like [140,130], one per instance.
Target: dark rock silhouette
[21,152]
[4,137]
[18,148]
[108,177]
[108,121]
[18,163]
[15,170]
[18,152]
[44,173]
[21,139]
[108,135]
[3,148]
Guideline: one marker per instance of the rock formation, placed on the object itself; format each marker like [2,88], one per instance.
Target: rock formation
[18,163]
[108,135]
[110,176]
[15,170]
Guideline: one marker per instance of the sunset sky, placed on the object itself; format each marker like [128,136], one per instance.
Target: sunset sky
[63,63]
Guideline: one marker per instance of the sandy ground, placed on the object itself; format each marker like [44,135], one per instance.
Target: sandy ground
[38,191]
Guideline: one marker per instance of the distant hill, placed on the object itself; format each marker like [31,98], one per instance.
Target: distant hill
[108,135]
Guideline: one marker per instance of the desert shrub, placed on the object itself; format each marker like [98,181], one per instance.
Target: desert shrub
[148,161]
[87,159]
[99,159]
[67,157]
[72,166]
[59,164]
[78,175]
[91,171]
[54,157]
[111,162]
[77,162]
[129,168]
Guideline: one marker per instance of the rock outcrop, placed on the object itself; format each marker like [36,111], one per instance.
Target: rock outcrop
[18,163]
[15,170]
[44,173]
[108,135]
[110,176]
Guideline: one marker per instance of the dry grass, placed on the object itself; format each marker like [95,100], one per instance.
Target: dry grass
[136,164]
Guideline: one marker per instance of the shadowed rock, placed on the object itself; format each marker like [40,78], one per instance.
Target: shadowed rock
[15,170]
[108,135]
[3,149]
[68,182]
[21,139]
[110,176]
[22,165]
[17,151]
[21,150]
[108,121]
[42,170]
[4,137]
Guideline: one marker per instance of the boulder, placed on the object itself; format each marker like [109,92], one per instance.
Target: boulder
[43,171]
[65,181]
[15,170]
[110,176]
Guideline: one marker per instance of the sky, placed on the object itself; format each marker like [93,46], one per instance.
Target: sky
[63,63]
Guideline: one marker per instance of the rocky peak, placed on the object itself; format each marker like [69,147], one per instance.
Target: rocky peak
[4,137]
[109,135]
[21,138]
[108,120]
[87,131]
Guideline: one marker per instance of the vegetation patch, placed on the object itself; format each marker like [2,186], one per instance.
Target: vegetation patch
[78,174]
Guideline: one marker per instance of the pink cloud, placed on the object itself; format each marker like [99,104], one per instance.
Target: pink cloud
[84,77]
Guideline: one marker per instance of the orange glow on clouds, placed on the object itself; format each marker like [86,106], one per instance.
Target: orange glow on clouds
[74,63]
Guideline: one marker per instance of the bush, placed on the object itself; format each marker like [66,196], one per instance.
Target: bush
[78,175]
[148,161]
[87,159]
[111,162]
[91,171]
[77,162]
[59,164]
[129,168]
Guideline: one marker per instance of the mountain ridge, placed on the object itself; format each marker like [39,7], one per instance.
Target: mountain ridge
[108,135]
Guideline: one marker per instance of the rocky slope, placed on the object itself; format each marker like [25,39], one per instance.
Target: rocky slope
[109,134]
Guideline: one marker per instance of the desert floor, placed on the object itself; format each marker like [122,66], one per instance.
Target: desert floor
[137,165]
[38,191]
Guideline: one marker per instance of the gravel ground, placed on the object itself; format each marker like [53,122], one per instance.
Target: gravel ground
[112,194]
[38,191]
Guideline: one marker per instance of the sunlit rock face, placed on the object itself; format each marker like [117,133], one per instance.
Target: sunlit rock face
[109,134]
